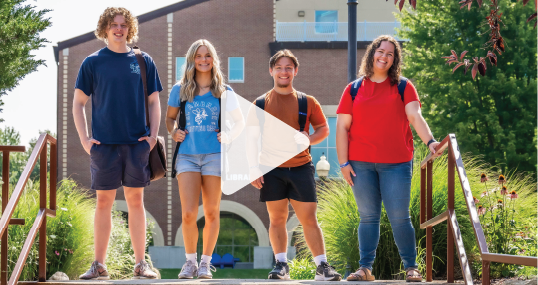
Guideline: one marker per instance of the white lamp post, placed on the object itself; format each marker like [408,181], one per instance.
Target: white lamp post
[323,166]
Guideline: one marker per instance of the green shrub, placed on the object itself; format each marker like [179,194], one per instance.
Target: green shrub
[339,219]
[302,269]
[508,217]
[69,235]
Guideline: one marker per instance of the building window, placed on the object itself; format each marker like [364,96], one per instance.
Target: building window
[326,21]
[236,69]
[180,67]
[236,237]
[328,148]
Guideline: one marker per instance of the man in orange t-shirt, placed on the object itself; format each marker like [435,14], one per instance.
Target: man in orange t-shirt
[292,181]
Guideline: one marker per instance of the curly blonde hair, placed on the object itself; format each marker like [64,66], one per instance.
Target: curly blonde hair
[188,84]
[367,64]
[108,16]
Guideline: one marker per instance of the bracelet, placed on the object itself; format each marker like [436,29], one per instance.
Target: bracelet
[430,142]
[155,138]
[344,164]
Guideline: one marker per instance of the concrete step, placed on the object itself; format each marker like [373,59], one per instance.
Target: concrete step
[214,281]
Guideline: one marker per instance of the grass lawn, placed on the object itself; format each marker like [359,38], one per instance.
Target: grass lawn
[226,273]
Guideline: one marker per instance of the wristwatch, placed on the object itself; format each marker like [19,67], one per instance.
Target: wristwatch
[430,142]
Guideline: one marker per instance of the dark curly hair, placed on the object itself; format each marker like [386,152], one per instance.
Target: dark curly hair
[108,16]
[367,64]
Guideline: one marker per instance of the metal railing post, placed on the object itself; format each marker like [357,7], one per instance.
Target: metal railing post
[42,276]
[450,236]
[485,272]
[429,230]
[5,199]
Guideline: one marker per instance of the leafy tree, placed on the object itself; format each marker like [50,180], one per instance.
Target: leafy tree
[20,26]
[18,160]
[494,115]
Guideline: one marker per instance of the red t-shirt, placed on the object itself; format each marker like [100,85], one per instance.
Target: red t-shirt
[379,130]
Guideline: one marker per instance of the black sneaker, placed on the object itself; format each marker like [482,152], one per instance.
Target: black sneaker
[325,272]
[281,271]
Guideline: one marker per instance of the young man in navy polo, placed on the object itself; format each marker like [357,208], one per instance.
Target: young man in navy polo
[120,140]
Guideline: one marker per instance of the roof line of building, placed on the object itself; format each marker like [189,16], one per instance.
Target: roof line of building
[141,19]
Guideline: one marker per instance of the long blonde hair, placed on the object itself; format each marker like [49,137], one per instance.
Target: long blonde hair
[188,84]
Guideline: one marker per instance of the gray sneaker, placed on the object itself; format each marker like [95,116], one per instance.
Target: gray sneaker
[188,271]
[143,271]
[96,272]
[204,271]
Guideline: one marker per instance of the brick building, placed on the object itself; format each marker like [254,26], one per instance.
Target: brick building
[246,33]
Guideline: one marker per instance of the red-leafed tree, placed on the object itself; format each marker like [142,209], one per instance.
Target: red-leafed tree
[493,46]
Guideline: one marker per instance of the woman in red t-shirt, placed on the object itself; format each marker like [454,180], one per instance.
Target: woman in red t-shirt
[375,151]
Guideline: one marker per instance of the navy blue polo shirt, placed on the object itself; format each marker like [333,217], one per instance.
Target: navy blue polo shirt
[114,83]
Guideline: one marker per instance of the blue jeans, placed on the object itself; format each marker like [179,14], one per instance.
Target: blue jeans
[389,183]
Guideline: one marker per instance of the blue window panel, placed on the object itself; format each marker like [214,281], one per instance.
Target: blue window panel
[322,143]
[325,20]
[236,69]
[328,148]
[180,67]
[332,134]
[332,158]
[316,154]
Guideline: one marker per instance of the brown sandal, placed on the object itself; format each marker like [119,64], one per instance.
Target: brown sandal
[356,277]
[413,275]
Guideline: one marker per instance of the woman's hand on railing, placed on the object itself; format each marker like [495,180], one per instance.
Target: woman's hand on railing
[87,145]
[433,147]
[347,171]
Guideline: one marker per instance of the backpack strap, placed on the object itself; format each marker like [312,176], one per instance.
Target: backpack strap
[182,122]
[220,111]
[303,109]
[260,103]
[401,87]
[355,85]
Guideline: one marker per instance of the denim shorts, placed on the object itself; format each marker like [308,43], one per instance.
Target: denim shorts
[115,165]
[206,164]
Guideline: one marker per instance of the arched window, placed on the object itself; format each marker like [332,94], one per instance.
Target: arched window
[236,237]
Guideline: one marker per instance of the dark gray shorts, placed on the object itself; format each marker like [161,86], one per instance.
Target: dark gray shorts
[295,183]
[115,165]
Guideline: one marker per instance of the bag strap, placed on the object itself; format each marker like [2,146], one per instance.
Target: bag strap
[142,65]
[355,87]
[303,109]
[357,84]
[401,87]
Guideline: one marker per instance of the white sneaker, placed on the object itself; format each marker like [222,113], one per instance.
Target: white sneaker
[204,271]
[188,270]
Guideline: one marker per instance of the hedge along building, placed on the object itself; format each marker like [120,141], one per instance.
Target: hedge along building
[246,34]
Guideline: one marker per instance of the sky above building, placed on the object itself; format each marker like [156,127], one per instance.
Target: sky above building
[31,106]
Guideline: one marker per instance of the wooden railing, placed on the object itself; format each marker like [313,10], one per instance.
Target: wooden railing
[453,230]
[40,223]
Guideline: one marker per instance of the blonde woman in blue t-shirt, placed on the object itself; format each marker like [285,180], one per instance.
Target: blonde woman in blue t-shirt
[198,162]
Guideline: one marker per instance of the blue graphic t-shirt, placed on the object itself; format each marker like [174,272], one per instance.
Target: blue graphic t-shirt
[118,108]
[202,116]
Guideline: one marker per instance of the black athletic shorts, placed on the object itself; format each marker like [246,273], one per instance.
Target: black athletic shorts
[295,183]
[114,165]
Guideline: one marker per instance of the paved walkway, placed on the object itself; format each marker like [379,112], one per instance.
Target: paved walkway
[217,281]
